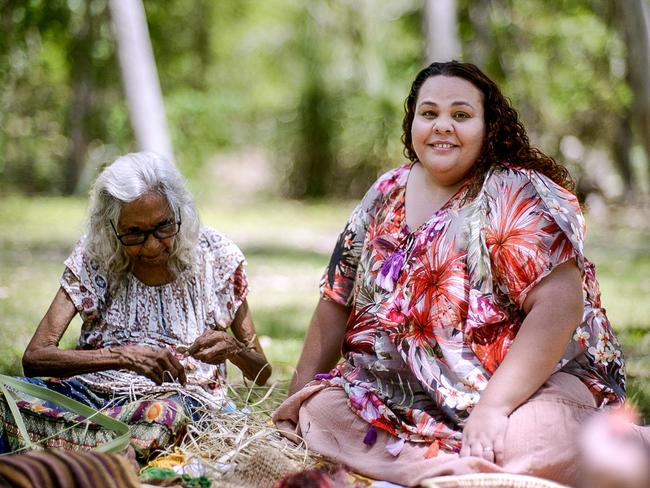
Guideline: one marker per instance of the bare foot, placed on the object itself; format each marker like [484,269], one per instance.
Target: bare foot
[613,453]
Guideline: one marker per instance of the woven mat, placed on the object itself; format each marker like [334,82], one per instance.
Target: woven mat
[263,469]
[489,480]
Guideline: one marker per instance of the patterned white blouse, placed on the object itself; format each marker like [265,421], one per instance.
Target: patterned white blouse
[207,295]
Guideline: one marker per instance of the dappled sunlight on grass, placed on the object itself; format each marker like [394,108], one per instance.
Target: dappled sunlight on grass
[44,220]
[288,225]
[625,287]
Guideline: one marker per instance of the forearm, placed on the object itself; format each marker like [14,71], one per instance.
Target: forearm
[43,357]
[52,361]
[322,347]
[250,359]
[253,365]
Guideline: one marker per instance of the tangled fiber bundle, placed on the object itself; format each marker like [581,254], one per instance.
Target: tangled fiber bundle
[243,448]
[131,386]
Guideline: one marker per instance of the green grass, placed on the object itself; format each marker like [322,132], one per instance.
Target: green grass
[287,246]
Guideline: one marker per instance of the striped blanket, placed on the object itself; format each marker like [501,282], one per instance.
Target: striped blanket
[54,469]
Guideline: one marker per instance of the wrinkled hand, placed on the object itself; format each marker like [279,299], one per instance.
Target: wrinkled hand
[215,346]
[484,434]
[156,363]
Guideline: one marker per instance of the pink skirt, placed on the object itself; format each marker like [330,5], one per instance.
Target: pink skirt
[541,440]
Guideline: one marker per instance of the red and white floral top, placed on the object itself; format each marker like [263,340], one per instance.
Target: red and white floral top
[435,309]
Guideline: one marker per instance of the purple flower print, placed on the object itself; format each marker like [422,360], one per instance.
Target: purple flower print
[390,270]
[323,376]
[436,224]
[482,311]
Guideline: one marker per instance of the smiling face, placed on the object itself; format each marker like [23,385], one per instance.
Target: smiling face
[144,214]
[448,128]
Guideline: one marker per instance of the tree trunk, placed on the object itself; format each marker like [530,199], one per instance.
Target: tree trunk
[81,103]
[314,157]
[480,51]
[314,152]
[622,158]
[202,41]
[635,24]
[140,77]
[441,30]
[80,109]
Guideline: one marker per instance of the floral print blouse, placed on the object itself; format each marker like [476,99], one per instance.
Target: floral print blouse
[434,310]
[205,296]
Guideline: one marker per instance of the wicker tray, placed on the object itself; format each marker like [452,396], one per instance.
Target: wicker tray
[489,480]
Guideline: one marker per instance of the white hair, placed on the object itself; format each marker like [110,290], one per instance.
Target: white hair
[124,181]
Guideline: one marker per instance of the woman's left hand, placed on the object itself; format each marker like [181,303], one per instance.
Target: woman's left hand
[484,433]
[215,346]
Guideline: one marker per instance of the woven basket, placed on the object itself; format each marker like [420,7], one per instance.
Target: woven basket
[489,480]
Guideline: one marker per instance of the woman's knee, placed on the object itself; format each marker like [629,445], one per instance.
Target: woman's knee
[543,432]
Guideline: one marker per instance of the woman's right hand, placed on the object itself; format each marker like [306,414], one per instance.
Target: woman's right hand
[156,363]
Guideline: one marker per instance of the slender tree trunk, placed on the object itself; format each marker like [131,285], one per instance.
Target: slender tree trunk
[480,51]
[314,159]
[80,109]
[441,30]
[82,93]
[622,145]
[140,77]
[202,41]
[314,153]
[634,21]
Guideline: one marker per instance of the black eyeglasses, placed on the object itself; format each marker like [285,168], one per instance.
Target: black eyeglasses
[163,230]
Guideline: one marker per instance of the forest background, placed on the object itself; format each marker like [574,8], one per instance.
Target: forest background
[282,113]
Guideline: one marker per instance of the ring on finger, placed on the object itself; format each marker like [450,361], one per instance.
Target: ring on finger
[488,449]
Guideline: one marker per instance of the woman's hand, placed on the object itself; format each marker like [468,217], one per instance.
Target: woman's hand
[484,433]
[156,363]
[215,346]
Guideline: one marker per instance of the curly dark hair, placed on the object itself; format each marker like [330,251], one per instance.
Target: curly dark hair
[506,140]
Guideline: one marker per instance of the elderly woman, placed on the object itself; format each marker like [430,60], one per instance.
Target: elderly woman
[469,320]
[157,294]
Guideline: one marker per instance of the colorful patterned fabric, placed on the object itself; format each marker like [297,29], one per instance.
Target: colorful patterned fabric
[435,309]
[153,424]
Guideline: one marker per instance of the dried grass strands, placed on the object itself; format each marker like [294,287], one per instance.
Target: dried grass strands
[223,441]
[133,387]
[220,441]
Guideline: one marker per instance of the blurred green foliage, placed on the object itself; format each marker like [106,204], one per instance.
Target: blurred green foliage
[318,86]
